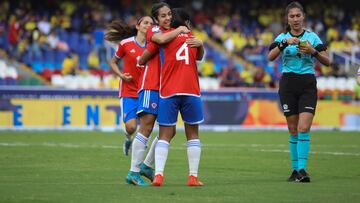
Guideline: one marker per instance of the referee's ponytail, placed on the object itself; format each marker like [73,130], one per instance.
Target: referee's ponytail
[292,5]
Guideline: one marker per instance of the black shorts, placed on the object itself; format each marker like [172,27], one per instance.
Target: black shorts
[298,93]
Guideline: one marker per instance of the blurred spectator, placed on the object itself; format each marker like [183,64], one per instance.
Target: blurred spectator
[93,60]
[336,70]
[13,34]
[70,64]
[230,77]
[44,25]
[261,78]
[207,69]
[53,40]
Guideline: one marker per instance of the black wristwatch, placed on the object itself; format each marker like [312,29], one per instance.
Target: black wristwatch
[283,44]
[315,53]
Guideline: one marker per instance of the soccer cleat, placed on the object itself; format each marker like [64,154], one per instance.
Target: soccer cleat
[147,171]
[303,177]
[194,181]
[158,180]
[293,176]
[135,179]
[127,146]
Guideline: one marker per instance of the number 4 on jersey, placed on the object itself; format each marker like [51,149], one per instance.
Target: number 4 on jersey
[185,56]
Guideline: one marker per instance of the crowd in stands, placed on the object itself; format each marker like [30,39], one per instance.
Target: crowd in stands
[66,37]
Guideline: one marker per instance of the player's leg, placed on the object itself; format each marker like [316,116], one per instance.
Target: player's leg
[305,120]
[289,104]
[167,118]
[307,106]
[147,111]
[129,117]
[191,112]
[292,122]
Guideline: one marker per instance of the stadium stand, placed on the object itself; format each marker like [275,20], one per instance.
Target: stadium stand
[62,42]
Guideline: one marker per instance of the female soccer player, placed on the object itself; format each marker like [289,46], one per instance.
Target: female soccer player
[149,89]
[298,93]
[179,91]
[129,49]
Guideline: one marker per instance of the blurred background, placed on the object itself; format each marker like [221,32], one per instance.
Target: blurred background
[55,49]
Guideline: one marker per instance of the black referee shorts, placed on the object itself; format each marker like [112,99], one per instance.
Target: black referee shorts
[298,93]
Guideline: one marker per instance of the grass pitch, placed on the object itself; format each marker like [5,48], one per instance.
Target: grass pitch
[235,167]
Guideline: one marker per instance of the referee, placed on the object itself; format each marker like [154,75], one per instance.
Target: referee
[298,93]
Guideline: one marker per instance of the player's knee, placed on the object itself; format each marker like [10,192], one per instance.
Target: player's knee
[292,130]
[130,129]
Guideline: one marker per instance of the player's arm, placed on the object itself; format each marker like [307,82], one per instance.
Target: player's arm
[149,52]
[277,47]
[163,38]
[145,57]
[319,52]
[114,67]
[195,42]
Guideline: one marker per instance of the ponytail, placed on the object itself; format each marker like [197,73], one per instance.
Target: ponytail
[118,30]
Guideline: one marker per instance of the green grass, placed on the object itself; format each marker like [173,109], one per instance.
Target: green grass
[235,167]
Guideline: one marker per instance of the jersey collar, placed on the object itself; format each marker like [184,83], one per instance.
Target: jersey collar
[298,36]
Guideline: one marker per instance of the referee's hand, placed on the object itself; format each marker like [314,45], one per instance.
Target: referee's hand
[292,40]
[307,49]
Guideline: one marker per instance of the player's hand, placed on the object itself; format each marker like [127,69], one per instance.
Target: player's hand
[307,49]
[292,40]
[137,63]
[194,42]
[126,77]
[183,29]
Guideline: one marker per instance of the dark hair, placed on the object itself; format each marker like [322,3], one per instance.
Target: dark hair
[292,5]
[179,17]
[156,7]
[117,30]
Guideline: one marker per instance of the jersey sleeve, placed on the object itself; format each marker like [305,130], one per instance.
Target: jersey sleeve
[151,32]
[317,40]
[318,44]
[279,38]
[120,52]
[276,42]
[153,48]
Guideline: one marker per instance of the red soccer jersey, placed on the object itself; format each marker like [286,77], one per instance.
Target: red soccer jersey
[150,77]
[179,75]
[129,50]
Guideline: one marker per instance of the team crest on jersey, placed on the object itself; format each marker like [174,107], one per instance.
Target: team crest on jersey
[153,105]
[132,51]
[155,29]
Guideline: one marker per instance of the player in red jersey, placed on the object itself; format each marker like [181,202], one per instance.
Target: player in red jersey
[129,49]
[179,91]
[149,86]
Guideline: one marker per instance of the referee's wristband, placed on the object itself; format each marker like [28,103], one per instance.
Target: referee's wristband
[282,45]
[315,53]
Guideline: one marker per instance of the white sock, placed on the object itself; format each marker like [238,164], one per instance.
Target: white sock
[161,153]
[193,152]
[138,151]
[150,157]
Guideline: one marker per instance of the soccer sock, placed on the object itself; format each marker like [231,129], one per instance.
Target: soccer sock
[303,148]
[293,151]
[161,153]
[194,153]
[150,157]
[138,151]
